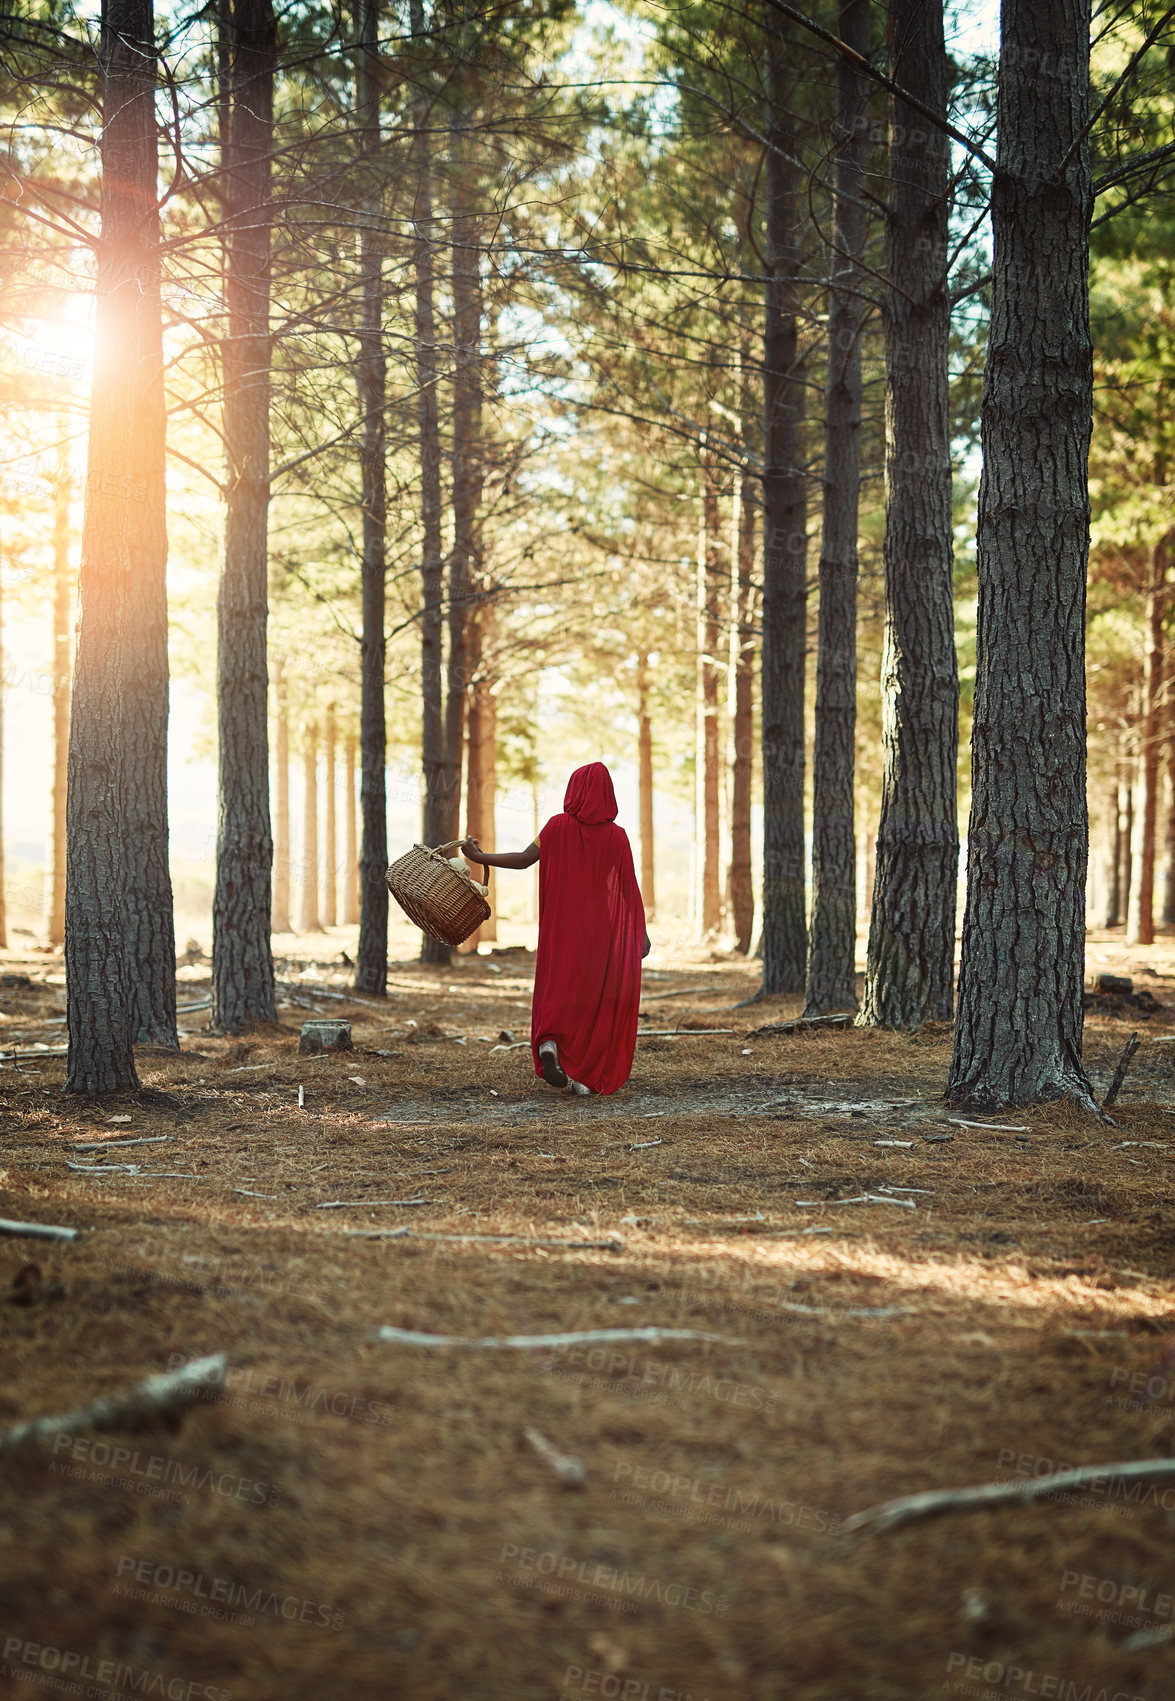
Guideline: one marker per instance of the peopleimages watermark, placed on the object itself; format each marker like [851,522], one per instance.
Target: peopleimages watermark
[658,1384]
[284,1396]
[574,1579]
[1145,1386]
[69,1671]
[205,1596]
[1112,1600]
[592,1680]
[1134,1492]
[152,1474]
[979,1678]
[705,1502]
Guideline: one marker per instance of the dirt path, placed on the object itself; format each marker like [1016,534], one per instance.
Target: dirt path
[359,1517]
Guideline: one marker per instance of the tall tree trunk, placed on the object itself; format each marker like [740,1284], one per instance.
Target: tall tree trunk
[482,773]
[351,870]
[1140,927]
[1018,1033]
[708,826]
[124,533]
[330,852]
[832,946]
[1169,834]
[910,962]
[371,965]
[785,542]
[435,824]
[281,849]
[311,920]
[1113,861]
[467,470]
[645,786]
[1126,836]
[62,672]
[742,663]
[242,958]
[3,898]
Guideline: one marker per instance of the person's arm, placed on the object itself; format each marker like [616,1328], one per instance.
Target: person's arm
[499,859]
[648,944]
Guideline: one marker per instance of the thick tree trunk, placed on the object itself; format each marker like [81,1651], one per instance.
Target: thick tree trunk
[709,632]
[311,919]
[330,852]
[281,849]
[124,533]
[371,965]
[467,469]
[742,665]
[832,946]
[351,857]
[909,975]
[1140,927]
[1018,1033]
[785,542]
[645,786]
[242,958]
[435,823]
[62,674]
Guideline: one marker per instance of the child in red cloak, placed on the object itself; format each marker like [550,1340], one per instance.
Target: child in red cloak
[587,983]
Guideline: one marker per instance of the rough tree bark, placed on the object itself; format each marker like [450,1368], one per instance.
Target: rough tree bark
[1140,926]
[281,848]
[371,964]
[330,849]
[785,542]
[1018,1032]
[910,962]
[434,825]
[832,944]
[62,674]
[709,632]
[311,919]
[645,785]
[242,958]
[124,525]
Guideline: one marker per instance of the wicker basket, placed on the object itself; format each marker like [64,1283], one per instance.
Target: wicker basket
[438,894]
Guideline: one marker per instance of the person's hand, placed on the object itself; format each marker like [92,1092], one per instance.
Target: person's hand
[470,848]
[648,944]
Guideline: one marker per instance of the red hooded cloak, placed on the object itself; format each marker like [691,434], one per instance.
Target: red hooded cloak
[587,982]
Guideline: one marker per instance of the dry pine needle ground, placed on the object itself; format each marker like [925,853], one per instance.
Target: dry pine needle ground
[363,1519]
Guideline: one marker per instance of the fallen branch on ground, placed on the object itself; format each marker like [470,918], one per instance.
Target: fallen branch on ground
[992,1127]
[103,1169]
[356,1204]
[412,1338]
[890,1514]
[860,1199]
[117,1145]
[40,1231]
[682,992]
[158,1397]
[613,1245]
[681,1033]
[570,1471]
[799,1023]
[1115,1086]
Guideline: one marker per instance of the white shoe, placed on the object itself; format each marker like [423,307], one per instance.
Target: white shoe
[578,1087]
[553,1072]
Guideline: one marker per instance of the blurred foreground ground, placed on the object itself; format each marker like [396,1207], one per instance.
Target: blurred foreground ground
[364,1519]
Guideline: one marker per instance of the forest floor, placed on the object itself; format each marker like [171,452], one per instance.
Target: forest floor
[363,1518]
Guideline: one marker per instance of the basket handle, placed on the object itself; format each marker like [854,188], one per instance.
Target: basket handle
[443,850]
